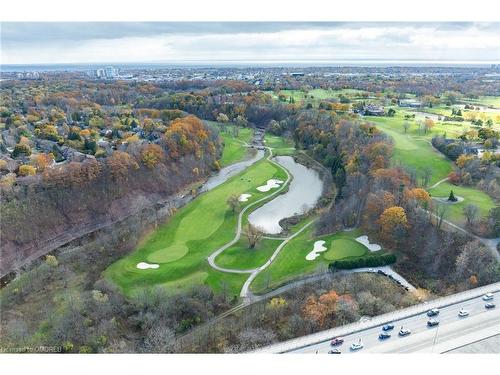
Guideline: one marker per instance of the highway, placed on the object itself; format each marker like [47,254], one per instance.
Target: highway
[452,332]
[422,338]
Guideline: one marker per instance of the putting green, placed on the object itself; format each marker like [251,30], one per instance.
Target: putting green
[344,247]
[291,262]
[169,254]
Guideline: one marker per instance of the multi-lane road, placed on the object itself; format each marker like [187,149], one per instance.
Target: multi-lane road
[451,333]
[423,338]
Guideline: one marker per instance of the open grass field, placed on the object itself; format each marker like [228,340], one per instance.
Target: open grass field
[240,256]
[292,261]
[314,96]
[280,145]
[415,151]
[234,151]
[180,246]
[470,195]
[412,150]
[493,101]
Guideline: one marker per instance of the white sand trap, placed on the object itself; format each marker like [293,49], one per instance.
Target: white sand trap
[145,266]
[244,197]
[364,241]
[271,184]
[318,248]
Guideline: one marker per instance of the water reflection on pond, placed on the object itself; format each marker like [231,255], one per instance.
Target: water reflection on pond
[303,193]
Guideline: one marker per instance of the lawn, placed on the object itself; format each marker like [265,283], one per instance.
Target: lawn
[234,150]
[411,150]
[314,96]
[415,151]
[291,261]
[181,245]
[493,101]
[280,145]
[240,256]
[470,195]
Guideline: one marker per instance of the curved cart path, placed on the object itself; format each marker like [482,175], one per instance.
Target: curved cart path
[211,257]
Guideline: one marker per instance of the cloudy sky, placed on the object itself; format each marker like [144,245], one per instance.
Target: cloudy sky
[35,43]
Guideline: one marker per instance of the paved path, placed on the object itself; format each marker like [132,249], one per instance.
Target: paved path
[438,183]
[490,243]
[211,257]
[245,291]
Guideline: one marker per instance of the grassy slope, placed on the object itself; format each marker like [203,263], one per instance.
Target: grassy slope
[474,196]
[202,226]
[280,145]
[239,256]
[316,95]
[291,262]
[234,151]
[414,150]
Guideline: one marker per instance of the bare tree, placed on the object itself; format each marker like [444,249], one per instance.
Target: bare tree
[406,126]
[233,202]
[253,234]
[426,175]
[441,211]
[471,213]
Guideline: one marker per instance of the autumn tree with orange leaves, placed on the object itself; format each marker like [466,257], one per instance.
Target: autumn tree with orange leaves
[393,224]
[321,310]
[152,155]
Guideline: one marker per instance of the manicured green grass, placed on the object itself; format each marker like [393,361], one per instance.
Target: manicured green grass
[470,195]
[316,95]
[413,151]
[340,248]
[240,256]
[280,145]
[234,150]
[291,262]
[486,100]
[182,245]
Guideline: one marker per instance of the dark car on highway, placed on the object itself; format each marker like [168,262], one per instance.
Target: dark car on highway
[490,305]
[433,312]
[337,341]
[388,327]
[384,335]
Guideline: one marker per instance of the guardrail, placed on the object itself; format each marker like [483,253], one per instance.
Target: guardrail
[323,336]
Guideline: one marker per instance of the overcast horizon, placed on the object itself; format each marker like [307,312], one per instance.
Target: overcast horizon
[171,42]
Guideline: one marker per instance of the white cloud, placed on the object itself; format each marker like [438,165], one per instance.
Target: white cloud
[387,41]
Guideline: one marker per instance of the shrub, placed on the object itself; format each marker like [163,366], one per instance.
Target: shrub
[21,149]
[372,260]
[27,170]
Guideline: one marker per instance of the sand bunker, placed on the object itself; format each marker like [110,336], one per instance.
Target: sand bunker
[271,184]
[364,241]
[244,197]
[145,266]
[318,248]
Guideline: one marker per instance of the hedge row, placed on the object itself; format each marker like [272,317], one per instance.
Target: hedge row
[373,260]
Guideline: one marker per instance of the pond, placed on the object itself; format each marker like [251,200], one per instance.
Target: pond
[304,191]
[231,170]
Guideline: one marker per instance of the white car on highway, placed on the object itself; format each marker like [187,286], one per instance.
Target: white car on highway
[357,346]
[488,297]
[404,331]
[463,313]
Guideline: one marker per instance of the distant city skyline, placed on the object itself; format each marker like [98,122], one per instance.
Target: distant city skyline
[170,42]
